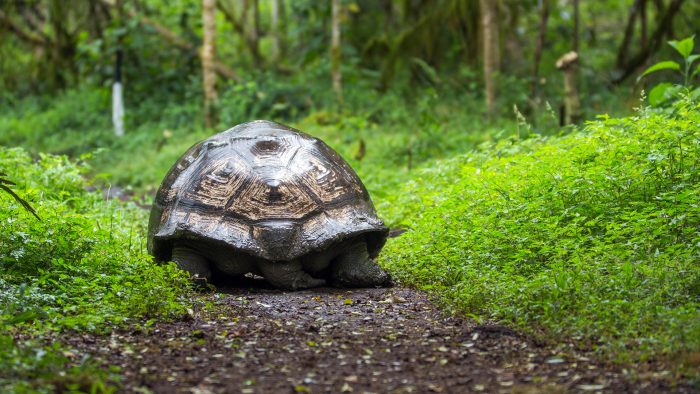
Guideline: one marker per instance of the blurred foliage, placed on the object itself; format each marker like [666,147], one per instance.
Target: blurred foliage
[74,47]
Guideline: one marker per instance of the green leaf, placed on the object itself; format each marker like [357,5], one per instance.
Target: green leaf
[695,94]
[657,95]
[684,47]
[666,65]
[692,58]
[696,72]
[429,71]
[24,317]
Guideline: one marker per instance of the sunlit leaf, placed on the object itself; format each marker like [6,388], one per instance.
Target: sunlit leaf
[657,95]
[692,58]
[665,65]
[684,47]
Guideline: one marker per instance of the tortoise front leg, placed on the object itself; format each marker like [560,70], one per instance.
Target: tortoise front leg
[288,275]
[192,261]
[354,268]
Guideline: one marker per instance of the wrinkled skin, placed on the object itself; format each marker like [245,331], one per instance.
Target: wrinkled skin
[346,264]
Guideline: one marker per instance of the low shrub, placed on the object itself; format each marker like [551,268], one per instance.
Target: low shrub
[83,266]
[592,236]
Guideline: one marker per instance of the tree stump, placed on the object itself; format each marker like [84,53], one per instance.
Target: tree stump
[572,106]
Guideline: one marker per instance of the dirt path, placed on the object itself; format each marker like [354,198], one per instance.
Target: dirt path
[341,341]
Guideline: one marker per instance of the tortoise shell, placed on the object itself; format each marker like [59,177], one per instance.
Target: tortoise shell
[264,189]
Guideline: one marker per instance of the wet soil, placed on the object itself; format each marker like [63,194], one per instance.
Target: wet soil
[350,341]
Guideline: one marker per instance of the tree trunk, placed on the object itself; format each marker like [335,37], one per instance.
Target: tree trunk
[118,97]
[577,20]
[251,25]
[572,105]
[275,30]
[208,51]
[539,46]
[629,33]
[63,49]
[575,44]
[489,25]
[255,33]
[335,54]
[643,23]
[512,52]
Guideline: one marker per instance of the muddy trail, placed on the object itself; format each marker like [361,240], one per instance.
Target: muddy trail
[348,341]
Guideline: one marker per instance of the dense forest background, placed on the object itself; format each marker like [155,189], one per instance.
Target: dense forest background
[275,58]
[539,158]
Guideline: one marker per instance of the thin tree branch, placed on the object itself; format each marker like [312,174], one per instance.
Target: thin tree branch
[541,36]
[178,41]
[655,41]
[29,37]
[629,33]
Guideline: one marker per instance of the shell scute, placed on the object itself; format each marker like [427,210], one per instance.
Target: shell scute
[278,197]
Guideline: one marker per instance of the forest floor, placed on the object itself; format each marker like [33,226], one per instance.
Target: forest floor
[261,340]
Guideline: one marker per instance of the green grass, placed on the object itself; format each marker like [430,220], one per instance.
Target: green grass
[591,237]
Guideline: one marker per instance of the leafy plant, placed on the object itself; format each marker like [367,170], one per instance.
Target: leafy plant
[664,91]
[82,267]
[592,237]
[5,186]
[30,366]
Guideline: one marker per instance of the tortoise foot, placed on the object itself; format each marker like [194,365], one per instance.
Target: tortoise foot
[356,269]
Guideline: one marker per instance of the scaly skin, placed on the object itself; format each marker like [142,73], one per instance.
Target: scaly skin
[354,268]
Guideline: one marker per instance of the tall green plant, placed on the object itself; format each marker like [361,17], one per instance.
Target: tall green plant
[664,91]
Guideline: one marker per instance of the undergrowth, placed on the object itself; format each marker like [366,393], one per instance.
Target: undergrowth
[83,266]
[591,236]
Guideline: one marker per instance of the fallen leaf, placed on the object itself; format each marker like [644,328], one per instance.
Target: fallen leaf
[590,387]
[555,360]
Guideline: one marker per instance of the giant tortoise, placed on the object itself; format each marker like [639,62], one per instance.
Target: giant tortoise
[266,199]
